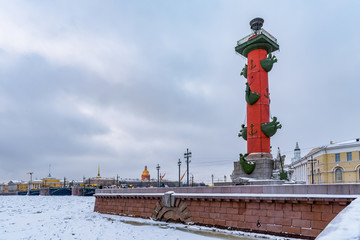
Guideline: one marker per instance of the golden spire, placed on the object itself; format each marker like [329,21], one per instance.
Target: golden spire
[98,176]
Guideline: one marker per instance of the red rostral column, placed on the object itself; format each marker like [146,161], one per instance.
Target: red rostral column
[257,141]
[257,48]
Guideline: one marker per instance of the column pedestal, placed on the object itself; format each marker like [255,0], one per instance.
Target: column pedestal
[263,170]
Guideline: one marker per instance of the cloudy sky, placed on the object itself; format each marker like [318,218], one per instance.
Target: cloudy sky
[125,84]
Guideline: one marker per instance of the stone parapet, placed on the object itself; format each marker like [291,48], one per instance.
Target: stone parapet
[295,215]
[337,189]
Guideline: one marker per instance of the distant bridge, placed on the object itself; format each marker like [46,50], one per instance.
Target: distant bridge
[59,192]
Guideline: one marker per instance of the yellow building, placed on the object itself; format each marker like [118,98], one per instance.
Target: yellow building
[334,163]
[51,182]
[14,186]
[36,184]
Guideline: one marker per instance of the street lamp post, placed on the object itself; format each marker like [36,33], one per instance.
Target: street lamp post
[158,175]
[31,173]
[179,164]
[187,155]
[312,169]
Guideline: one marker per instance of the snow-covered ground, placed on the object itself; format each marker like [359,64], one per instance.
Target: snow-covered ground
[71,217]
[346,225]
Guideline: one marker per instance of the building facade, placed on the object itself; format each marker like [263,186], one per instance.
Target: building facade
[330,164]
[14,186]
[36,184]
[300,171]
[299,166]
[3,187]
[51,182]
[335,163]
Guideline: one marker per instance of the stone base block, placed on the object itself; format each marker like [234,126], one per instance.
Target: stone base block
[263,170]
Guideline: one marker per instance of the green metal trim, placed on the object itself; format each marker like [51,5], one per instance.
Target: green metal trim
[270,128]
[284,176]
[259,42]
[251,97]
[247,166]
[255,46]
[244,71]
[268,62]
[243,132]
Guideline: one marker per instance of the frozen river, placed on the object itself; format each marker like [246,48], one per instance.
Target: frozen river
[70,217]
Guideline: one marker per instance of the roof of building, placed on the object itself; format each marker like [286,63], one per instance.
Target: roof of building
[297,146]
[16,182]
[332,145]
[145,172]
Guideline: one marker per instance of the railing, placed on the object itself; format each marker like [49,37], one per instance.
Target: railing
[261,31]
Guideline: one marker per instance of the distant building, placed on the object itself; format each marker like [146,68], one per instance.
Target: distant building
[99,181]
[299,166]
[297,153]
[14,186]
[3,187]
[51,182]
[333,163]
[145,175]
[137,183]
[35,184]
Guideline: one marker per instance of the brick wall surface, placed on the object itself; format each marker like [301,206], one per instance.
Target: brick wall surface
[351,189]
[298,218]
[293,217]
[137,207]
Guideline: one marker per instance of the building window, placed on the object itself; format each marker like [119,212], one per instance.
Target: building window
[338,175]
[349,156]
[337,157]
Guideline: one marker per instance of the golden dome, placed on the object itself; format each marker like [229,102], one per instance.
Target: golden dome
[145,175]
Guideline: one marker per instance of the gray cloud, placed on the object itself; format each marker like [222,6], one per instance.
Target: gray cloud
[125,85]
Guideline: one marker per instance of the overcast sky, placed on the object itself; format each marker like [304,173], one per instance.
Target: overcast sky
[126,84]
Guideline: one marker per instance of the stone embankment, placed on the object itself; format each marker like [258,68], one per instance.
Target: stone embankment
[291,210]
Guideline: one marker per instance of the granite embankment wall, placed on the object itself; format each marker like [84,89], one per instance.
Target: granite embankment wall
[8,193]
[293,210]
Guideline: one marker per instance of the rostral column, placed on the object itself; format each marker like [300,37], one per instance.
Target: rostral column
[257,48]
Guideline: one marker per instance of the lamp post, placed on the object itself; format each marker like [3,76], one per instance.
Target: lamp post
[31,173]
[312,169]
[158,175]
[179,164]
[187,155]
